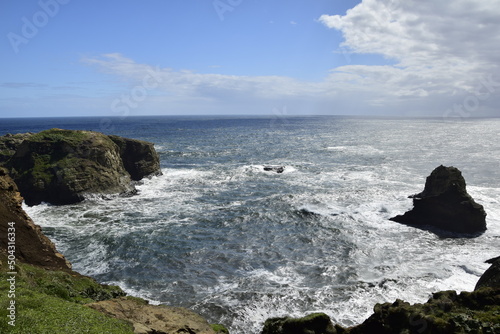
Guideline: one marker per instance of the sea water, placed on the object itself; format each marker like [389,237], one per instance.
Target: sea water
[220,235]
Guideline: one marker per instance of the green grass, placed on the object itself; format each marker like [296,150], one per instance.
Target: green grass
[56,135]
[53,302]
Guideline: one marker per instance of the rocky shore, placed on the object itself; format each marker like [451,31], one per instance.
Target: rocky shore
[62,166]
[40,292]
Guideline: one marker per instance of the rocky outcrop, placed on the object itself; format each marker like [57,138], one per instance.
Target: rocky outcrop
[446,205]
[277,169]
[491,277]
[316,323]
[445,312]
[148,319]
[9,144]
[139,157]
[62,166]
[31,245]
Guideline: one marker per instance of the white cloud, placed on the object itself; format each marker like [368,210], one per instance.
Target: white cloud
[442,49]
[445,54]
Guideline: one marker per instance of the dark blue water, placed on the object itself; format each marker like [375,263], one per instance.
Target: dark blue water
[219,234]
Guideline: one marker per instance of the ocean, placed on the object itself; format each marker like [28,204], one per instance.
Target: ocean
[237,244]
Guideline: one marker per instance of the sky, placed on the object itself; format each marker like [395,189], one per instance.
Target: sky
[250,57]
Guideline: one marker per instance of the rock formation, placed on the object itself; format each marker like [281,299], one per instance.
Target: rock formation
[147,318]
[491,277]
[9,144]
[62,166]
[316,323]
[31,245]
[139,157]
[445,204]
[277,169]
[445,312]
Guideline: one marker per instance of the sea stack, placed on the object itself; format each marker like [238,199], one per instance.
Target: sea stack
[445,204]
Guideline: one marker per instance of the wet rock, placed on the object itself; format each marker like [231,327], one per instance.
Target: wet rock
[148,319]
[277,169]
[491,277]
[445,204]
[446,312]
[316,323]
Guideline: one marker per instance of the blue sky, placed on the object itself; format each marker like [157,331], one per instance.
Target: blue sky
[180,57]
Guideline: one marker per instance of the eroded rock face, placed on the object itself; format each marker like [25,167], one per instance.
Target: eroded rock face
[139,157]
[445,204]
[148,319]
[62,166]
[31,245]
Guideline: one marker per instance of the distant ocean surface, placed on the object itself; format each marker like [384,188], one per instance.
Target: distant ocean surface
[218,234]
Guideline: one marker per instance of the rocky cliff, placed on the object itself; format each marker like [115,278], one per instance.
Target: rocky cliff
[31,245]
[63,166]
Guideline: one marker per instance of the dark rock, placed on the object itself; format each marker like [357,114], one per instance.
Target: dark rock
[491,277]
[139,157]
[62,166]
[445,204]
[31,245]
[316,323]
[445,312]
[277,169]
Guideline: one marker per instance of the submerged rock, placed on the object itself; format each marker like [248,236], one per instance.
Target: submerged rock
[62,166]
[148,319]
[277,169]
[445,204]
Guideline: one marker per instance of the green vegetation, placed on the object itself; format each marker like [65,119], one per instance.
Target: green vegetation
[53,302]
[60,135]
[220,329]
